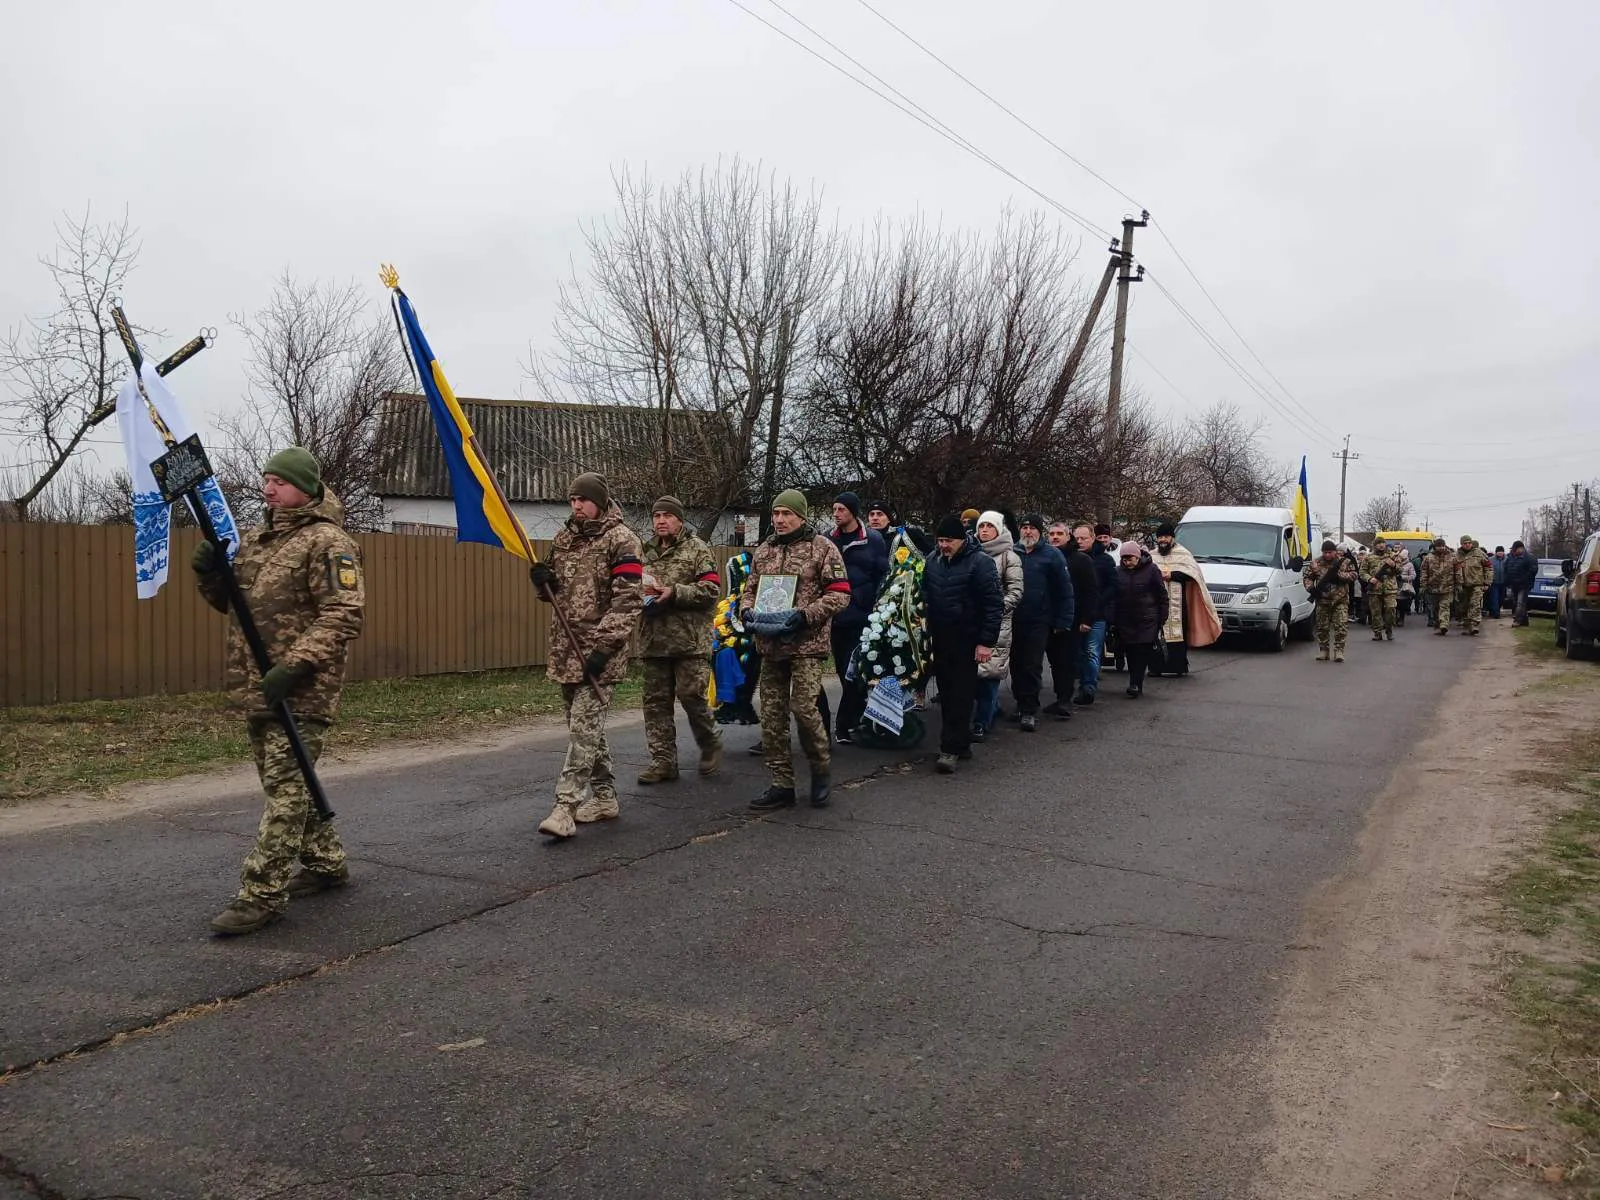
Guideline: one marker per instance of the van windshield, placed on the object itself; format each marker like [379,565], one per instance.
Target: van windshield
[1232,542]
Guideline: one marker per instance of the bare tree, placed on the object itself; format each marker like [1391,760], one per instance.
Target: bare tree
[319,370]
[62,370]
[1382,512]
[698,303]
[1221,460]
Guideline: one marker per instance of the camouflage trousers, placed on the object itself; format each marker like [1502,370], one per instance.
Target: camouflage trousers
[290,829]
[587,769]
[790,685]
[1333,624]
[1439,605]
[1380,611]
[1470,611]
[683,680]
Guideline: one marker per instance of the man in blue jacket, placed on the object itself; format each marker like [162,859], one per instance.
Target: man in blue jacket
[1092,646]
[1046,607]
[866,563]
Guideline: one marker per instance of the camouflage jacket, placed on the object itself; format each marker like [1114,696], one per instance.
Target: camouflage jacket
[301,574]
[822,589]
[1334,593]
[679,625]
[598,576]
[1380,573]
[1440,572]
[1475,568]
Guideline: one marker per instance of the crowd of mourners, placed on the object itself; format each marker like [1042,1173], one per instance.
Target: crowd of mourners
[910,620]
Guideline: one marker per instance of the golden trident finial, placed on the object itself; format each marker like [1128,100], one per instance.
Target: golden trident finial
[388,276]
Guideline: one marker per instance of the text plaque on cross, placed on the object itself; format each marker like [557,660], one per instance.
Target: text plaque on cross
[182,468]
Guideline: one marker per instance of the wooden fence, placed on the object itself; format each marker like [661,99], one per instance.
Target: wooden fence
[71,627]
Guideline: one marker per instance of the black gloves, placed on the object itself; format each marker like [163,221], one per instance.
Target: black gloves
[279,681]
[594,666]
[544,577]
[204,559]
[793,622]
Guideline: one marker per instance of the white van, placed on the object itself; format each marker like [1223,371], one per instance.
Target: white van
[1252,570]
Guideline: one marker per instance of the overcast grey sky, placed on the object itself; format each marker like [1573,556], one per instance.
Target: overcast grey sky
[1392,201]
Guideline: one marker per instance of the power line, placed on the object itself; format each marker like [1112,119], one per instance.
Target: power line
[931,122]
[1311,417]
[1014,116]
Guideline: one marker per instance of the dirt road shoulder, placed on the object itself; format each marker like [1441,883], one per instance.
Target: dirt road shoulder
[1394,1064]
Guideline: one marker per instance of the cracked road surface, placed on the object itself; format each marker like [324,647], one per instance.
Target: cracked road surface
[1041,977]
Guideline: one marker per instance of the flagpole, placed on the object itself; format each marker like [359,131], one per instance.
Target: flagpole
[391,279]
[230,581]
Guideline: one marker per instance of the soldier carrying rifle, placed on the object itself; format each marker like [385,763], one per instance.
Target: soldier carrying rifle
[1330,579]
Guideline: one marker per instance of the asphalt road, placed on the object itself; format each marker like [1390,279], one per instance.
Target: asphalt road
[1047,976]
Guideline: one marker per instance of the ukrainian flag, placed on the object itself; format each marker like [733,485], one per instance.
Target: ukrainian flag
[1302,514]
[482,514]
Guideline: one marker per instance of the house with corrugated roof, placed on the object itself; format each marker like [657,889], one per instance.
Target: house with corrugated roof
[535,448]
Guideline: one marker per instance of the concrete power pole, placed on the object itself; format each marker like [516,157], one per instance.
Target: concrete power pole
[1344,456]
[1119,336]
[1399,506]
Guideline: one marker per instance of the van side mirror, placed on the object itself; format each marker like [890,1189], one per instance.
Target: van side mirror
[1296,563]
[1568,568]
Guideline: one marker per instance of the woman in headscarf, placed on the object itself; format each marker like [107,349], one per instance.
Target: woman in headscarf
[1140,613]
[995,541]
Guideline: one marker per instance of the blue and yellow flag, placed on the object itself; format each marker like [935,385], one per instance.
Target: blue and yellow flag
[1302,514]
[482,514]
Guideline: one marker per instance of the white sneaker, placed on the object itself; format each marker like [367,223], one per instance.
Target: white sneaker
[559,824]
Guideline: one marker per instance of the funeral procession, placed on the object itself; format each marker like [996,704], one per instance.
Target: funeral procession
[896,639]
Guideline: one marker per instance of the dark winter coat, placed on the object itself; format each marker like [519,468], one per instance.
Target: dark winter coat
[1046,590]
[1085,587]
[962,598]
[1105,569]
[866,563]
[1521,569]
[1141,608]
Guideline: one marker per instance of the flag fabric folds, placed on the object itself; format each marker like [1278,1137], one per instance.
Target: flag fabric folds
[152,516]
[482,514]
[1302,515]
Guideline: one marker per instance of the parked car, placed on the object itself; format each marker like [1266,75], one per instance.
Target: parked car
[1578,600]
[1542,595]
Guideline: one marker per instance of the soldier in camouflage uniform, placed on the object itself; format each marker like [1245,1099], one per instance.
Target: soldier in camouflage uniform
[595,575]
[301,576]
[1331,579]
[1380,580]
[794,643]
[1440,570]
[1474,571]
[681,588]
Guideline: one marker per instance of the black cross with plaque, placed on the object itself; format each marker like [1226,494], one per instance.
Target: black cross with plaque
[180,473]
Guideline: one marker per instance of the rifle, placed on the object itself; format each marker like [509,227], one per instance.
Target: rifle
[1330,577]
[180,472]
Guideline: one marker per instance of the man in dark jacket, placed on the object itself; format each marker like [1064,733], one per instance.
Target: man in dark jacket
[1097,550]
[1520,571]
[887,522]
[1063,649]
[866,563]
[961,596]
[1046,606]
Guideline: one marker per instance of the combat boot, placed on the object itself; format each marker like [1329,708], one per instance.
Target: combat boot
[658,773]
[711,760]
[821,789]
[1388,635]
[1338,656]
[1377,635]
[945,764]
[1443,630]
[560,823]
[243,916]
[1324,654]
[773,798]
[594,808]
[309,883]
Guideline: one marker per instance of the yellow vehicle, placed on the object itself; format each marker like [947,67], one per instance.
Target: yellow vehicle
[1416,541]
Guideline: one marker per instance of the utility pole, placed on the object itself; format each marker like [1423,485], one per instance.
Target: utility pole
[1399,505]
[1344,456]
[1588,514]
[1577,538]
[1119,335]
